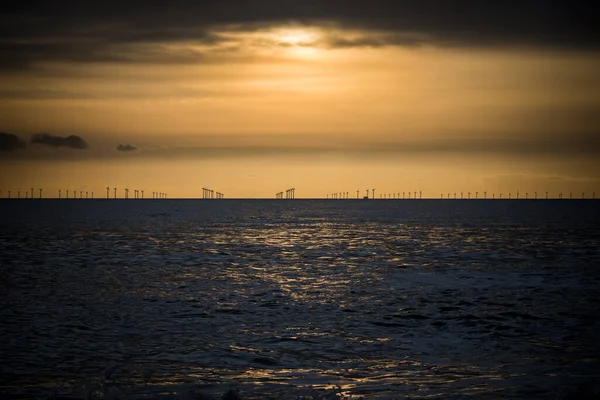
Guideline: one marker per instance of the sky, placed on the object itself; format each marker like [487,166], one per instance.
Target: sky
[250,98]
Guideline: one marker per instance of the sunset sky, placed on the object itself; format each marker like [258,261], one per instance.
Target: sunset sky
[250,98]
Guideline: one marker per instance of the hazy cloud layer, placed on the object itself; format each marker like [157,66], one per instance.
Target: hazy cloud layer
[126,147]
[106,30]
[72,141]
[575,146]
[10,142]
[561,147]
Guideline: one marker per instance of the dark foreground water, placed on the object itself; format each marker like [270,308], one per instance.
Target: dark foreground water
[292,299]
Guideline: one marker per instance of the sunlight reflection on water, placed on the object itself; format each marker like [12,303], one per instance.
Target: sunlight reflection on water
[373,299]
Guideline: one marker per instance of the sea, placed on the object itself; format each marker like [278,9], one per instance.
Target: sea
[299,299]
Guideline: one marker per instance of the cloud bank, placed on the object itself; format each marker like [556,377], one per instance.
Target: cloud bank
[10,142]
[72,141]
[96,31]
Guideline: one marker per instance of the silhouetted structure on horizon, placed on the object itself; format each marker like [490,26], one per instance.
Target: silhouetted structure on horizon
[211,194]
[290,194]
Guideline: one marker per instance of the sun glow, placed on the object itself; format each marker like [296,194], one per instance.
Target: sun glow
[297,42]
[296,38]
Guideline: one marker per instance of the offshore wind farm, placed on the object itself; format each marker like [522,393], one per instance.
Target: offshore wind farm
[138,194]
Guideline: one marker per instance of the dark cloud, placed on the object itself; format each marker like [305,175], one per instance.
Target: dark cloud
[79,31]
[28,94]
[73,141]
[579,149]
[10,142]
[126,147]
[376,39]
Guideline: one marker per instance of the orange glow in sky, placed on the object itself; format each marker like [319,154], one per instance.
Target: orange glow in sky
[253,110]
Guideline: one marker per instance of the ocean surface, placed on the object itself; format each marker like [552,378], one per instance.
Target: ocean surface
[299,299]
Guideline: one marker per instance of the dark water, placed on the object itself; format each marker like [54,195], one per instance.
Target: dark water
[285,299]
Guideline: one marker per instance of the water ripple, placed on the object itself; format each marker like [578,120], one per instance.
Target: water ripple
[296,299]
